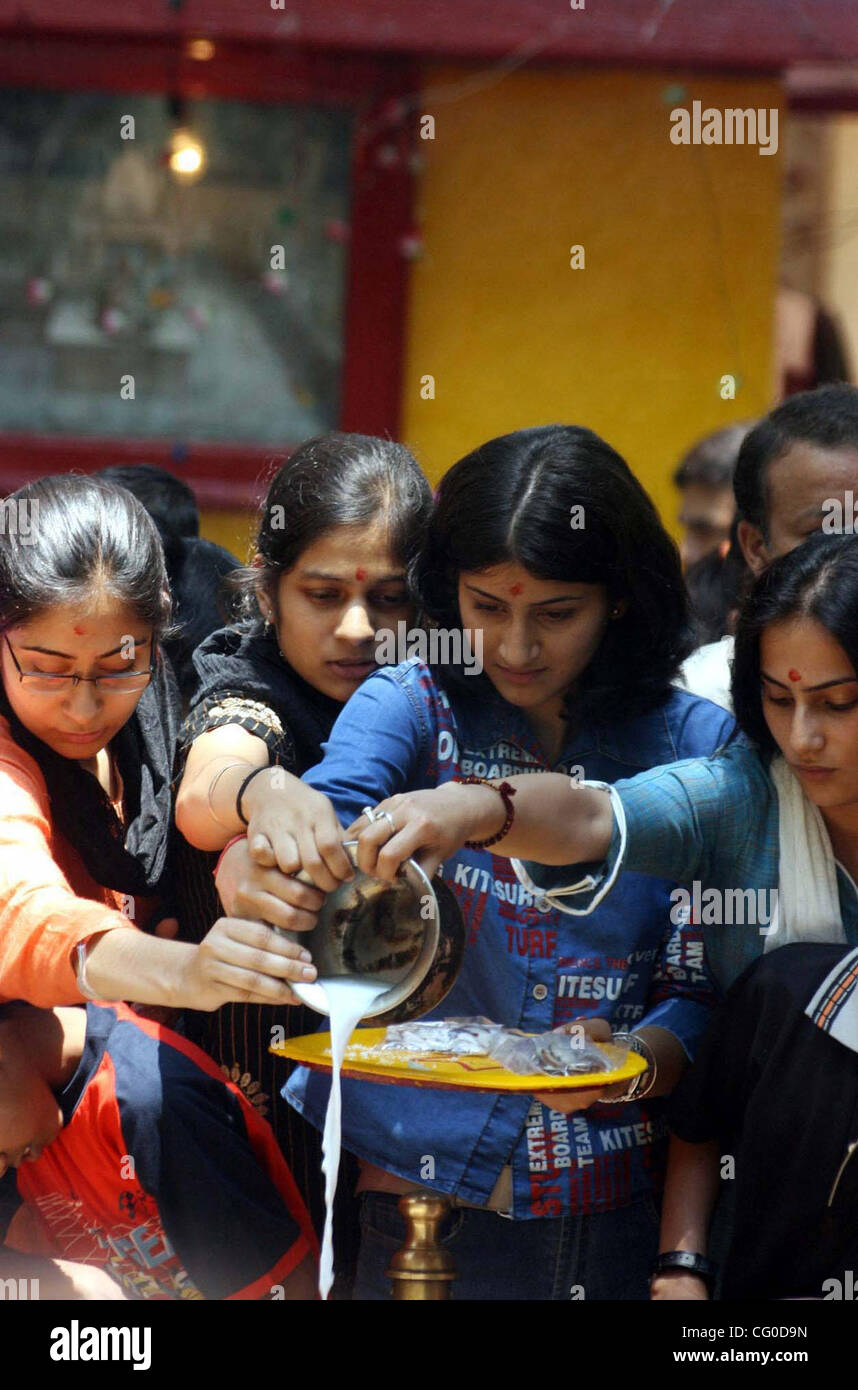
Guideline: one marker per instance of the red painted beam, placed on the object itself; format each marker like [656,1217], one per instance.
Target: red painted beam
[761,34]
[222,475]
[238,71]
[376,301]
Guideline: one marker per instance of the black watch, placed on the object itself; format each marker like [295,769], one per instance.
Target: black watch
[687,1260]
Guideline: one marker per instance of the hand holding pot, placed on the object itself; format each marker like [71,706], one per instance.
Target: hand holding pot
[290,827]
[427,826]
[250,890]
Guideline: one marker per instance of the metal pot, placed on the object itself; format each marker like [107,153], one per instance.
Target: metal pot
[408,934]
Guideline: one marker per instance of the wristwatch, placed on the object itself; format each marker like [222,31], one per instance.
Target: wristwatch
[689,1261]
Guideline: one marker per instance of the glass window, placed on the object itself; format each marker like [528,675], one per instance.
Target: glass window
[171,270]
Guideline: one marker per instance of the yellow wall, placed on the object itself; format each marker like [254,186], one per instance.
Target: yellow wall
[838,231]
[234,529]
[681,246]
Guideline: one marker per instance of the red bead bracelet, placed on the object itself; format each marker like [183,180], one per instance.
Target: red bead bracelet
[506,793]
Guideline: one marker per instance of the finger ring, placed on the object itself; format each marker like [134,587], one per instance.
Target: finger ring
[388,817]
[369,813]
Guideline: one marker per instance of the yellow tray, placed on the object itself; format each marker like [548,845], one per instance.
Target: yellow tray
[445,1072]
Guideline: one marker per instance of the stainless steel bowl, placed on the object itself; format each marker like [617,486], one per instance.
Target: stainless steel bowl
[408,935]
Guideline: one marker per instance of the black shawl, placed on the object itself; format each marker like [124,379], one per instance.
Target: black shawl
[243,662]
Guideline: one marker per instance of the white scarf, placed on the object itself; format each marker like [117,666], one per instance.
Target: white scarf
[808,904]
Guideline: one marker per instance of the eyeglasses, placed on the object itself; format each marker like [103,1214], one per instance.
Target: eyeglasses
[118,683]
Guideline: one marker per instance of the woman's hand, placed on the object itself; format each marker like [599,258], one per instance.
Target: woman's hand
[427,825]
[290,827]
[247,889]
[242,962]
[680,1285]
[597,1030]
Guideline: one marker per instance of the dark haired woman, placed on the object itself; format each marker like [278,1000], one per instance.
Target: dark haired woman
[87,725]
[339,531]
[548,552]
[773,830]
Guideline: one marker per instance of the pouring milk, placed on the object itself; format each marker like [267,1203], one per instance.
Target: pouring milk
[348,997]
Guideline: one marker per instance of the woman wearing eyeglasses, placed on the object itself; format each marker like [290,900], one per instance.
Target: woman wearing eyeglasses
[88,712]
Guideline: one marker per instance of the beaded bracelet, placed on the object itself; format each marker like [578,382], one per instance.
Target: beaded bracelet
[506,793]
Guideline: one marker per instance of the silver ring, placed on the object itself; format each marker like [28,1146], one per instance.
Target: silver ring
[388,817]
[369,813]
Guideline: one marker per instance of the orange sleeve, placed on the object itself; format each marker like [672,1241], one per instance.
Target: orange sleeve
[41,917]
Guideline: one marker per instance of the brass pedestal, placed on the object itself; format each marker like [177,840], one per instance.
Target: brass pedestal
[421,1268]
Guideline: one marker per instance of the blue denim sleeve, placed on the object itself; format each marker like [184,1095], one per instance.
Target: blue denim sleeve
[688,820]
[378,745]
[684,821]
[682,992]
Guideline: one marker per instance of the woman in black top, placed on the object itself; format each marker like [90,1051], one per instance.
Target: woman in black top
[771,1106]
[339,530]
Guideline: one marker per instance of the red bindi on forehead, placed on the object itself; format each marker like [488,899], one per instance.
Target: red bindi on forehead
[516,590]
[360,574]
[79,631]
[793,674]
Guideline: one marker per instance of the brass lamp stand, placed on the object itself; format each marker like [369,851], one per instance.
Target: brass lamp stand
[421,1268]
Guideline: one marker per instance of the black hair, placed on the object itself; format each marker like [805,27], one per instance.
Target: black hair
[66,533]
[712,459]
[196,568]
[817,580]
[334,480]
[827,417]
[715,585]
[515,499]
[169,500]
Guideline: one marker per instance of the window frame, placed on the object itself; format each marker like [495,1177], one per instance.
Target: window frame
[377,90]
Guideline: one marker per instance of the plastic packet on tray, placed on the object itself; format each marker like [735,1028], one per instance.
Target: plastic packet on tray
[556,1053]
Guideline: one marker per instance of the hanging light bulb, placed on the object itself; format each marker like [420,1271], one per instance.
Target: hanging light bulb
[185,154]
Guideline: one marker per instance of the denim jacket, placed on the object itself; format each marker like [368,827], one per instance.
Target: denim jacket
[526,964]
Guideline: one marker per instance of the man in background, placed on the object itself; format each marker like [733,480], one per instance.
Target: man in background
[797,472]
[705,482]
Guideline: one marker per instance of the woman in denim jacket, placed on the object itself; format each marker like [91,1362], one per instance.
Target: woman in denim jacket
[549,555]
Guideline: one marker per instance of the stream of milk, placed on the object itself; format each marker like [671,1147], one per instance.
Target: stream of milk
[348,999]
